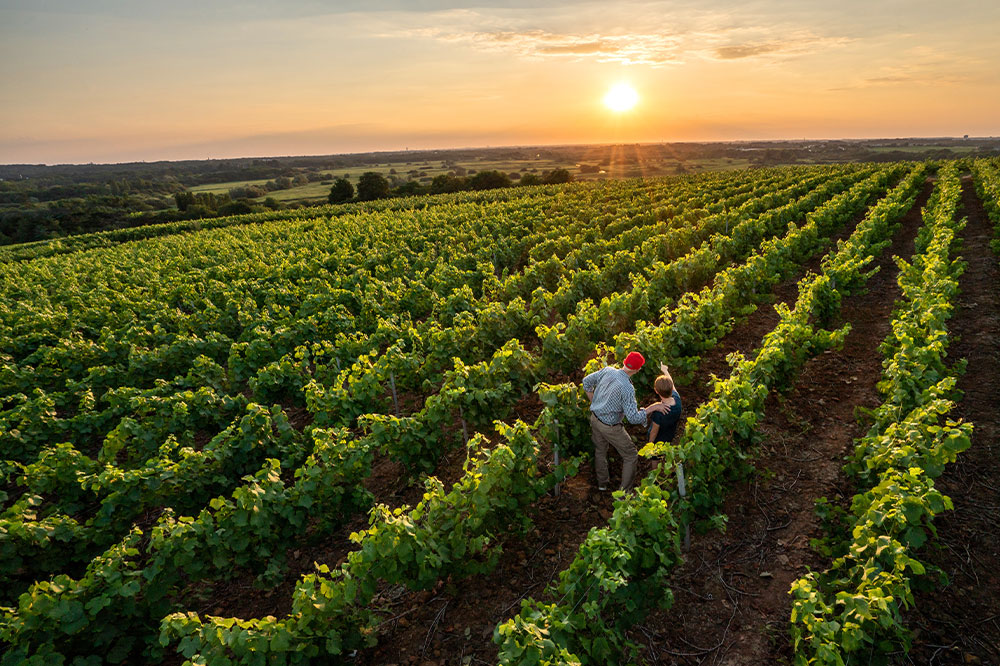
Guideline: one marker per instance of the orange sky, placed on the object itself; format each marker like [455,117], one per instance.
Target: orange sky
[110,80]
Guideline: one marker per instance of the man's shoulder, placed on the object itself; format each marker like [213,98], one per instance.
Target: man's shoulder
[596,374]
[607,371]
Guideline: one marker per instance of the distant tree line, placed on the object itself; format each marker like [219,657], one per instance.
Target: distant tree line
[50,206]
[69,217]
[208,204]
[31,210]
[34,221]
[373,185]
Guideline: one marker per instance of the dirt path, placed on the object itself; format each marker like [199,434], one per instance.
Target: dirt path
[731,596]
[453,624]
[960,622]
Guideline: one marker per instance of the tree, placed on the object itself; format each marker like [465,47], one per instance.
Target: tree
[341,191]
[184,200]
[372,185]
[488,180]
[247,192]
[206,200]
[531,179]
[443,183]
[557,176]
[408,189]
[236,208]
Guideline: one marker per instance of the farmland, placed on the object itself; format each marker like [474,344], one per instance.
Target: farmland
[356,434]
[611,162]
[615,168]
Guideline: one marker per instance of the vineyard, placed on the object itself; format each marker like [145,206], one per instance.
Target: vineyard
[361,438]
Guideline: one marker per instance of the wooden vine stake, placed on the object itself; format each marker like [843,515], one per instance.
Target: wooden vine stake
[555,449]
[682,491]
[340,371]
[395,398]
[465,432]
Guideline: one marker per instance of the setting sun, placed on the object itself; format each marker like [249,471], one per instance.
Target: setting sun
[621,97]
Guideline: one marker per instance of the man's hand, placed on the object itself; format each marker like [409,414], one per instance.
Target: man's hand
[655,407]
[590,396]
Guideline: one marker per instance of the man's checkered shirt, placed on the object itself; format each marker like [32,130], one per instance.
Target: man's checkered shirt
[614,397]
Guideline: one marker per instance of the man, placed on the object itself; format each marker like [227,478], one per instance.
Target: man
[612,400]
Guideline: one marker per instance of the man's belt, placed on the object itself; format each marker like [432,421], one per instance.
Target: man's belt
[603,421]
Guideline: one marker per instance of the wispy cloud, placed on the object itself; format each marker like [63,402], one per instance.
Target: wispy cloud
[701,36]
[738,51]
[799,43]
[917,76]
[655,49]
[922,66]
[643,49]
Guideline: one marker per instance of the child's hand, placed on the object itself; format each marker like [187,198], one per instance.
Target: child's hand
[670,402]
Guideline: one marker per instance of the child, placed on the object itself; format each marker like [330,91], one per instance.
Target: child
[664,424]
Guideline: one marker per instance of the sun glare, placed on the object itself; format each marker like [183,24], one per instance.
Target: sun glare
[621,97]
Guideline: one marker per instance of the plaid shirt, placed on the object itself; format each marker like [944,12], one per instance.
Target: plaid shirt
[614,397]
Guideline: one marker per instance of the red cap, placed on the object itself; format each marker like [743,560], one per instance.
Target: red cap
[634,361]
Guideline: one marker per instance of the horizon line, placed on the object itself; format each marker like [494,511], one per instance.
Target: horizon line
[403,151]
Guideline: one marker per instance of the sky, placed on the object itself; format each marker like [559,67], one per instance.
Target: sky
[132,80]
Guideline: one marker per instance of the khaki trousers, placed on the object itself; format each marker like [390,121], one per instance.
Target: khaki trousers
[616,436]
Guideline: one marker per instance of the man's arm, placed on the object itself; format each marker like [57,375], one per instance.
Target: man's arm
[590,384]
[631,410]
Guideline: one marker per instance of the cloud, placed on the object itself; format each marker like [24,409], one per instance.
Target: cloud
[631,49]
[917,76]
[714,38]
[798,43]
[745,51]
[585,48]
[923,66]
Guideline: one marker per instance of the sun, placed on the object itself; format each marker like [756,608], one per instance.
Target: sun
[621,97]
